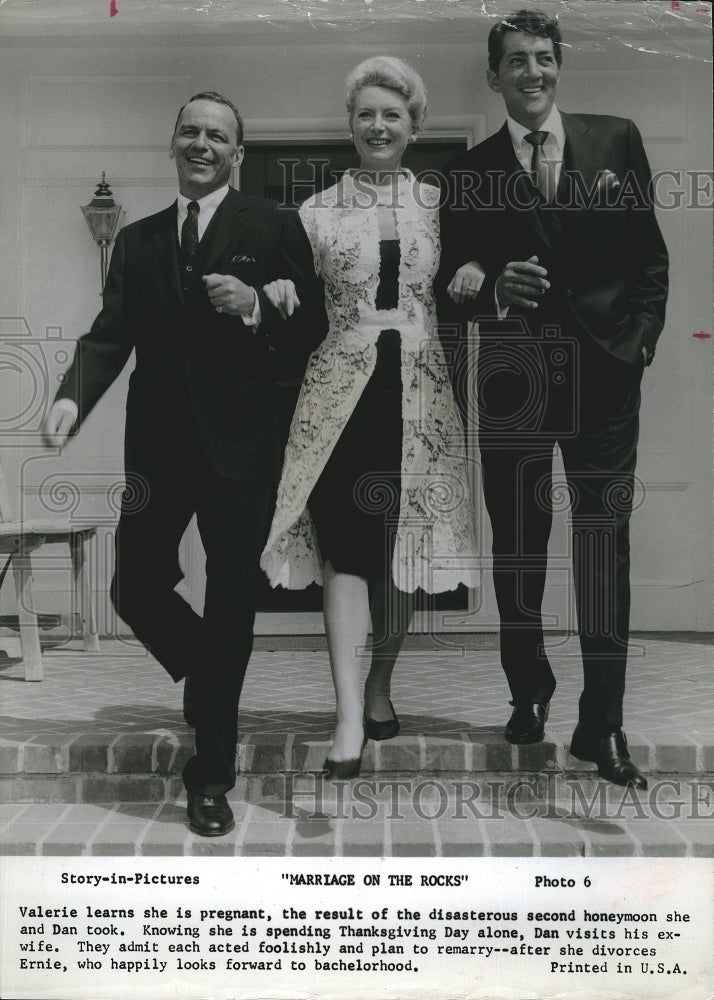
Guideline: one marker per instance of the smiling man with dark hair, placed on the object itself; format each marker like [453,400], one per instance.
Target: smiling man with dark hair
[569,292]
[185,293]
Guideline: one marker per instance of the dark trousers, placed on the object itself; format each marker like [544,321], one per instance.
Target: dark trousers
[233,518]
[532,396]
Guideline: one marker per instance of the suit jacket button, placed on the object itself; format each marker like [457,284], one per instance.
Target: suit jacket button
[189,268]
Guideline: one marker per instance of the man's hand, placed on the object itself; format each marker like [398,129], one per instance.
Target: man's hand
[58,423]
[466,283]
[229,295]
[282,295]
[522,283]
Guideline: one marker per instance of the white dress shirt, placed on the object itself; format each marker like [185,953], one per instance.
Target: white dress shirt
[207,209]
[552,147]
[207,206]
[552,151]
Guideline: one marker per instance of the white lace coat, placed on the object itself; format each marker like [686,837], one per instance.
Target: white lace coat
[435,545]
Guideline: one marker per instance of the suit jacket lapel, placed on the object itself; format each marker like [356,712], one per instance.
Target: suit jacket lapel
[225,225]
[229,219]
[166,243]
[579,163]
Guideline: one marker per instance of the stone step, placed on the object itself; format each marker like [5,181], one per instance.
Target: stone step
[280,786]
[164,752]
[91,760]
[465,794]
[392,827]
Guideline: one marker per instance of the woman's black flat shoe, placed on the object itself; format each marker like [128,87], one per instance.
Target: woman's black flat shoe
[343,770]
[386,730]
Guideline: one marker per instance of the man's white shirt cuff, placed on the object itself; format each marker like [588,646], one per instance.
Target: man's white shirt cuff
[68,405]
[501,313]
[253,319]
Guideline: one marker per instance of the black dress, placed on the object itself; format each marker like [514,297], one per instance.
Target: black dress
[355,502]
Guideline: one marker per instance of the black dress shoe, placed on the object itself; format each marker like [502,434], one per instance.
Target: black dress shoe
[386,730]
[527,723]
[611,755]
[189,703]
[209,815]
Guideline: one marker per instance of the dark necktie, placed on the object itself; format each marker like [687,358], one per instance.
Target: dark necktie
[189,232]
[541,169]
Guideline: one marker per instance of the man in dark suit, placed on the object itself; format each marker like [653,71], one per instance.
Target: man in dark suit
[185,292]
[549,240]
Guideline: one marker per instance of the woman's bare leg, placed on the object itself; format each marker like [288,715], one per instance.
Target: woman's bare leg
[346,611]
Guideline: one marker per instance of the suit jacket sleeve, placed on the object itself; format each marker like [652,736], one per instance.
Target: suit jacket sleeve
[307,327]
[456,250]
[465,220]
[102,353]
[456,232]
[647,281]
[467,210]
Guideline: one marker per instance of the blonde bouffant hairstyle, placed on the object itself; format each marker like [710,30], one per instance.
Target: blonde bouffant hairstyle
[394,74]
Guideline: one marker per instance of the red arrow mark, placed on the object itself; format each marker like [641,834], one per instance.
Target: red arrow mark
[702,336]
[113,9]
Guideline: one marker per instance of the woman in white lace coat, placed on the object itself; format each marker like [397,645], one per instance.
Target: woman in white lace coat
[374,496]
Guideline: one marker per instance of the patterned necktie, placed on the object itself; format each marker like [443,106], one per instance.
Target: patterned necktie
[189,232]
[541,169]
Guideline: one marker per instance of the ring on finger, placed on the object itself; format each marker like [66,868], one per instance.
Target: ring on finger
[219,309]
